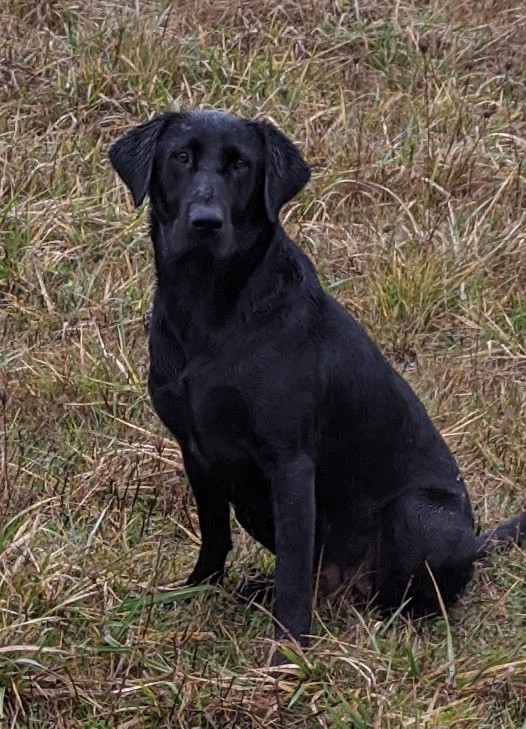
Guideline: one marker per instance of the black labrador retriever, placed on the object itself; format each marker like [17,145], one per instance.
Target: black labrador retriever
[282,405]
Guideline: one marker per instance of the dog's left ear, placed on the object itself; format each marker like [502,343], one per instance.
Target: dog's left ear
[286,172]
[132,156]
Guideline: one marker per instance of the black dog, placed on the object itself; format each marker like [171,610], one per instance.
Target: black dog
[282,405]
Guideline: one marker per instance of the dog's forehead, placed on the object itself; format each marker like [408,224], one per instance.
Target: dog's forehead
[215,126]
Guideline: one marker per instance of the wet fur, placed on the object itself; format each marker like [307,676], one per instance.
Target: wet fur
[282,405]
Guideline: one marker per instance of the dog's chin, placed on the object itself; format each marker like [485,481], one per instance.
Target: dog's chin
[219,245]
[176,242]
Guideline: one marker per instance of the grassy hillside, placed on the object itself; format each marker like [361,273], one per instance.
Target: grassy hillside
[413,116]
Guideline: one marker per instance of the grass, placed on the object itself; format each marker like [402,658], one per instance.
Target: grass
[413,116]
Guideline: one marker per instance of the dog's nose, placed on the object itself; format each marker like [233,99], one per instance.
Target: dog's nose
[207,218]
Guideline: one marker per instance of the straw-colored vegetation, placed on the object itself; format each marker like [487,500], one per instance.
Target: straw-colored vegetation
[413,116]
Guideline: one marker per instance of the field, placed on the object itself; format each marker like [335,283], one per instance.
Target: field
[413,116]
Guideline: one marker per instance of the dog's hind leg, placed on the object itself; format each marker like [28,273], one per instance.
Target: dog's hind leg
[427,543]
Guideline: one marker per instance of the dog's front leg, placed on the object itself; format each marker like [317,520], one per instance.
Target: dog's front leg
[294,504]
[213,510]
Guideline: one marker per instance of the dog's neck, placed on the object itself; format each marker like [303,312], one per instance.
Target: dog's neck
[201,292]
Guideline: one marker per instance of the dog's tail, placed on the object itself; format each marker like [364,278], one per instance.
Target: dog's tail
[511,531]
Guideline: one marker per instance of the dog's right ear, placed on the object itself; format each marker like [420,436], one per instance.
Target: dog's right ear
[132,156]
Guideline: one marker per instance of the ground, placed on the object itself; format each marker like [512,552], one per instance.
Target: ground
[413,117]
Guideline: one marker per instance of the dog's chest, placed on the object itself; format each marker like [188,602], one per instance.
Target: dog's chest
[170,400]
[204,409]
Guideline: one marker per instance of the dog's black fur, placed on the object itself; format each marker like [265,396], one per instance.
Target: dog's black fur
[282,405]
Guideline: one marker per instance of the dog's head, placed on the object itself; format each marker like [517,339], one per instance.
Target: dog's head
[209,175]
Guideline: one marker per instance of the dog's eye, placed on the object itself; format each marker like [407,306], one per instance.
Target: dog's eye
[182,157]
[238,164]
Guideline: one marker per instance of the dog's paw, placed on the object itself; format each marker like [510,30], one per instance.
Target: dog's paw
[256,589]
[278,660]
[286,655]
[204,577]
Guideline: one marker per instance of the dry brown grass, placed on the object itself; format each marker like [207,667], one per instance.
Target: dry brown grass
[414,117]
